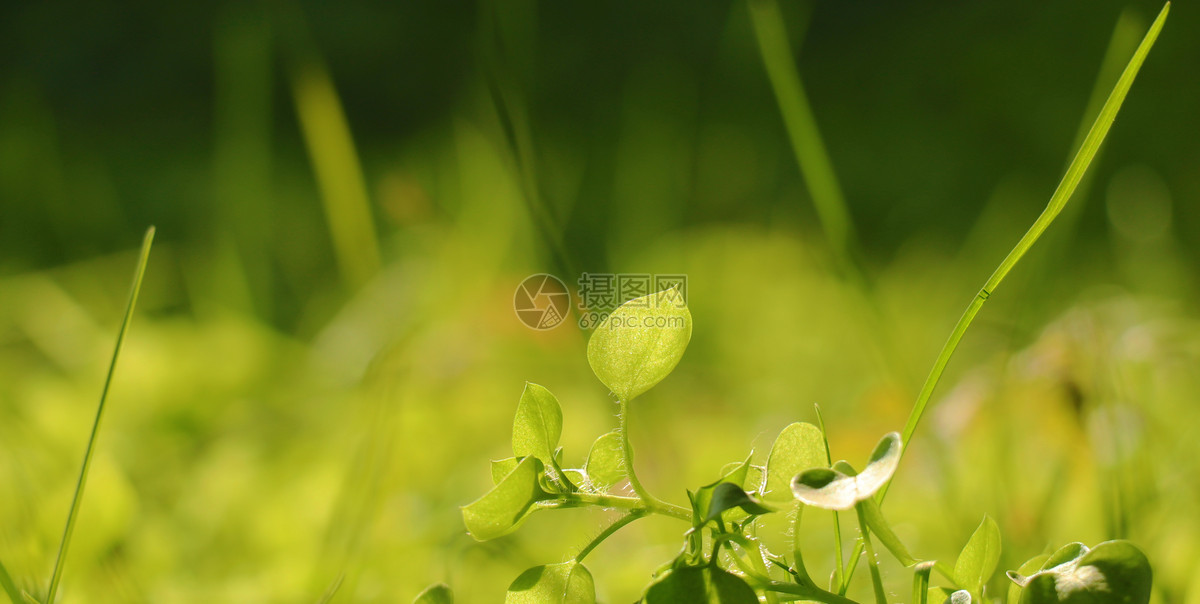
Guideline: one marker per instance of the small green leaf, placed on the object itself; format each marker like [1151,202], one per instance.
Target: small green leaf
[727,496]
[700,584]
[882,531]
[438,593]
[834,490]
[979,557]
[1114,572]
[502,509]
[798,447]
[566,583]
[640,343]
[538,424]
[702,499]
[1019,578]
[605,466]
[502,468]
[1064,554]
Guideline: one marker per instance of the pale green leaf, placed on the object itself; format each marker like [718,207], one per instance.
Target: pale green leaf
[605,465]
[979,557]
[834,490]
[502,509]
[640,343]
[538,424]
[566,583]
[435,594]
[798,447]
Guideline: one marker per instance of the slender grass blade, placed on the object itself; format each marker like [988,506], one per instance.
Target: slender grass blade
[76,502]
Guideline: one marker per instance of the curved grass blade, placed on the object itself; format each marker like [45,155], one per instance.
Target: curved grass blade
[138,274]
[1066,187]
[10,588]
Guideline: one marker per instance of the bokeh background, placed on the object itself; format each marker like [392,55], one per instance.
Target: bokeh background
[347,194]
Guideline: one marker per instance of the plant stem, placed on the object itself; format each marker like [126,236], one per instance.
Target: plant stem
[872,560]
[804,592]
[837,523]
[608,532]
[77,499]
[653,503]
[628,503]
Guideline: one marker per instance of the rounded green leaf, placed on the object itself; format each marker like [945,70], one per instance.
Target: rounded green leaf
[639,344]
[833,490]
[605,466]
[700,584]
[1114,572]
[435,594]
[979,557]
[538,424]
[503,508]
[798,447]
[566,583]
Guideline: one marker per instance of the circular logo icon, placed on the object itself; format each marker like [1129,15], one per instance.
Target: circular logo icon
[541,301]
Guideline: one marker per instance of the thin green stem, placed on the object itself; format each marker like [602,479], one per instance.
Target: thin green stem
[1066,187]
[606,533]
[77,500]
[837,523]
[653,503]
[627,503]
[802,592]
[872,559]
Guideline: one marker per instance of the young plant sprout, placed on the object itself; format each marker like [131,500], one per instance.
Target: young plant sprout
[722,559]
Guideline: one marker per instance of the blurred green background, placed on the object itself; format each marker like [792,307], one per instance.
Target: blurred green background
[347,195]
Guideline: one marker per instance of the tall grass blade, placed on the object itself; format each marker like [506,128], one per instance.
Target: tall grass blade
[10,588]
[76,502]
[1066,187]
[1087,151]
[512,116]
[802,130]
[339,173]
[822,183]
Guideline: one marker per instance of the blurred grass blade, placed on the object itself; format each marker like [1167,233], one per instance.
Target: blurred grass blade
[1066,187]
[339,174]
[140,272]
[802,126]
[822,183]
[327,597]
[9,587]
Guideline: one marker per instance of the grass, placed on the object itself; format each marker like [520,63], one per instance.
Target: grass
[77,500]
[1062,194]
[388,534]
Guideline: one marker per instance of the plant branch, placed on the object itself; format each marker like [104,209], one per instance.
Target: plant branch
[608,532]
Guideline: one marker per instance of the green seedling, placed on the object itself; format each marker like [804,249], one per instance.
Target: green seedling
[722,558]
